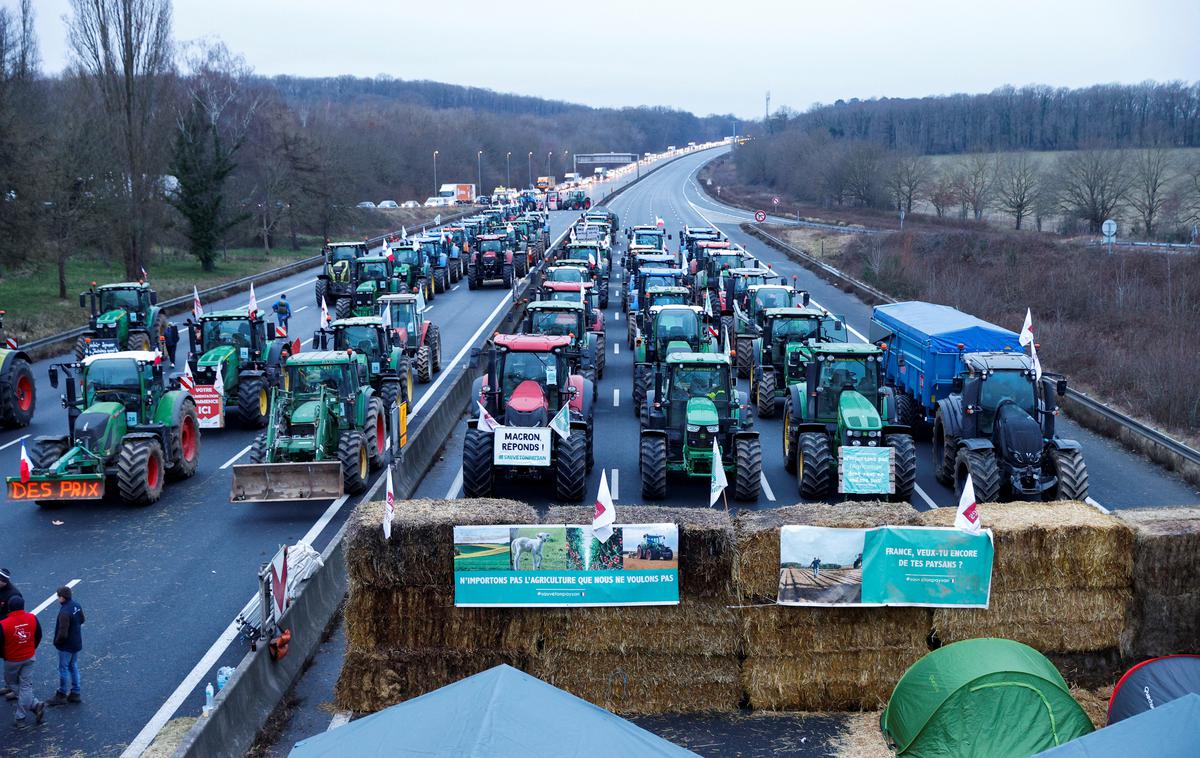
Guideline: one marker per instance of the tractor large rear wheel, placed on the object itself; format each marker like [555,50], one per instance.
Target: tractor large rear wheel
[764,394]
[748,482]
[745,355]
[1072,475]
[140,470]
[570,468]
[904,466]
[814,465]
[81,348]
[20,393]
[653,463]
[478,474]
[945,454]
[341,308]
[601,355]
[907,411]
[320,292]
[375,433]
[985,475]
[389,393]
[186,441]
[643,376]
[472,278]
[356,465]
[253,402]
[139,341]
[47,451]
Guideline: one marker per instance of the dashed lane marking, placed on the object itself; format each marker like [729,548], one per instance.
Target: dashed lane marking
[46,603]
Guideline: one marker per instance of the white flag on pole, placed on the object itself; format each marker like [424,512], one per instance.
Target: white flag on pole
[389,507]
[403,233]
[324,314]
[967,517]
[253,307]
[718,483]
[561,422]
[219,383]
[1037,365]
[486,422]
[197,308]
[605,513]
[1026,337]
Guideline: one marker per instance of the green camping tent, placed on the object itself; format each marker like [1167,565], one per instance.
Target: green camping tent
[984,698]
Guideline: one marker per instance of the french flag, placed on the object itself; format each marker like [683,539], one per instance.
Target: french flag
[26,465]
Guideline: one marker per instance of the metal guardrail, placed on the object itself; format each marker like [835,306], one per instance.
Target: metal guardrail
[1148,433]
[1185,246]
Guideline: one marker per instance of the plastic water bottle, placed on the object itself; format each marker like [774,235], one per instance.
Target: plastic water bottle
[223,675]
[208,698]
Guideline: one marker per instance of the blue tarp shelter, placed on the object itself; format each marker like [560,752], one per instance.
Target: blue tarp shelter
[1168,731]
[499,712]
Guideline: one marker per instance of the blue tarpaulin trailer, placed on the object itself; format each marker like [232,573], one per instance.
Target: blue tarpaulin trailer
[924,345]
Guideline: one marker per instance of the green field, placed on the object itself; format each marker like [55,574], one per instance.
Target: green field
[554,552]
[482,558]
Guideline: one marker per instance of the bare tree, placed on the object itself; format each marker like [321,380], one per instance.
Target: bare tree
[976,179]
[908,177]
[1153,172]
[1092,184]
[1190,192]
[124,48]
[864,173]
[1018,183]
[942,193]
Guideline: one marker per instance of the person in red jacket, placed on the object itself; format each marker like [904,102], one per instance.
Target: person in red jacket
[20,634]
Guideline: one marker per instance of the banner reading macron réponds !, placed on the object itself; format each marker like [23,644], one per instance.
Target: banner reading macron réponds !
[564,565]
[887,565]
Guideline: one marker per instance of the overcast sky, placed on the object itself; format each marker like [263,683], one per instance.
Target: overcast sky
[703,57]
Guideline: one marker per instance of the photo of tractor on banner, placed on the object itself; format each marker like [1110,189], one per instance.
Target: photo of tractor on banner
[1024,615]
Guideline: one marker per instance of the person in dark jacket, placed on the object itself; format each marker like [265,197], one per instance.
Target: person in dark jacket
[20,634]
[68,639]
[172,335]
[7,591]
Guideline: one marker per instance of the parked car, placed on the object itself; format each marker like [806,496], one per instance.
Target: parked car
[483,200]
[365,204]
[410,204]
[388,204]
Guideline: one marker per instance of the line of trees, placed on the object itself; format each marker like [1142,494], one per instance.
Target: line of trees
[145,142]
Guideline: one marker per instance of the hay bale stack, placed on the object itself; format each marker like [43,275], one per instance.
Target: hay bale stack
[372,681]
[1165,612]
[756,562]
[633,683]
[692,628]
[829,658]
[421,551]
[705,542]
[1061,579]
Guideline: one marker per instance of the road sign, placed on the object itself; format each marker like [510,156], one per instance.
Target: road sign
[775,201]
[1109,228]
[760,216]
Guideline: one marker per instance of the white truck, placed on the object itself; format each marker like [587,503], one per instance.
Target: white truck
[452,194]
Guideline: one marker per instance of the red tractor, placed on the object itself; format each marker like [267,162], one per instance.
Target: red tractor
[527,382]
[491,258]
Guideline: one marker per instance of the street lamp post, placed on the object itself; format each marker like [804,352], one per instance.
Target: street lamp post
[479,172]
[548,162]
[508,169]
[435,184]
[530,169]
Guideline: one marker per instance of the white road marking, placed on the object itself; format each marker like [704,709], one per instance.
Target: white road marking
[46,603]
[928,500]
[427,308]
[617,316]
[455,287]
[289,289]
[616,397]
[455,486]
[311,535]
[341,718]
[616,348]
[231,461]
[766,486]
[1097,506]
[7,445]
[615,489]
[301,308]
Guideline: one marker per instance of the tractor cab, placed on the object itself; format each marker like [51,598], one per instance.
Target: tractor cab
[691,236]
[651,277]
[695,400]
[529,379]
[404,312]
[122,316]
[569,292]
[842,383]
[569,274]
[658,295]
[314,376]
[365,335]
[761,297]
[717,257]
[735,284]
[572,320]
[225,338]
[648,236]
[674,329]
[787,334]
[375,275]
[339,260]
[132,379]
[586,252]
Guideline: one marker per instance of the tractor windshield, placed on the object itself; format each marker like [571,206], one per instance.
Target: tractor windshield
[111,378]
[833,329]
[672,326]
[581,253]
[740,283]
[556,323]
[491,246]
[233,332]
[857,373]
[659,280]
[566,274]
[772,298]
[406,255]
[726,261]
[564,296]
[343,253]
[130,300]
[432,248]
[794,329]
[1001,386]
[376,271]
[336,377]
[361,339]
[668,298]
[404,316]
[689,380]
[648,238]
[527,366]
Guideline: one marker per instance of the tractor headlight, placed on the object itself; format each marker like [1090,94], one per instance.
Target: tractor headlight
[693,428]
[856,442]
[714,429]
[873,434]
[853,433]
[872,443]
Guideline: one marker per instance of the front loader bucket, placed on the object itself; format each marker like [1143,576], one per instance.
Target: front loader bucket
[271,482]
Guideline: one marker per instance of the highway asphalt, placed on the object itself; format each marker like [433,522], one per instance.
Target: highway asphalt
[1119,478]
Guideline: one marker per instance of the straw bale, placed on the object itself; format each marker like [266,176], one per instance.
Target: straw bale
[1067,545]
[756,563]
[861,738]
[372,681]
[705,542]
[1099,668]
[1066,621]
[421,551]
[642,683]
[813,681]
[1162,625]
[1094,703]
[1165,612]
[782,630]
[380,620]
[694,627]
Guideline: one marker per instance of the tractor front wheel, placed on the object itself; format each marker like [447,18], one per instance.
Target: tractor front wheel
[570,468]
[434,338]
[186,441]
[356,466]
[653,463]
[376,434]
[748,480]
[814,465]
[253,402]
[477,463]
[945,454]
[424,364]
[904,465]
[389,393]
[472,278]
[341,308]
[764,394]
[907,411]
[320,292]
[744,355]
[258,451]
[643,376]
[140,471]
[1072,475]
[20,396]
[507,275]
[985,475]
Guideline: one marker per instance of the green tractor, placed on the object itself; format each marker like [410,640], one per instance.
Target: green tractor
[655,549]
[129,426]
[782,349]
[746,324]
[693,402]
[710,264]
[335,283]
[413,270]
[840,432]
[419,338]
[124,316]
[18,391]
[328,431]
[556,318]
[249,357]
[672,329]
[636,320]
[389,367]
[375,276]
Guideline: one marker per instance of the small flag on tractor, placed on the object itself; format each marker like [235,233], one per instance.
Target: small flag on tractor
[718,482]
[197,308]
[219,383]
[26,465]
[659,222]
[252,309]
[387,250]
[437,219]
[605,513]
[387,316]
[279,577]
[1026,337]
[188,381]
[324,313]
[145,276]
[389,507]
[967,517]
[403,233]
[561,422]
[295,346]
[486,422]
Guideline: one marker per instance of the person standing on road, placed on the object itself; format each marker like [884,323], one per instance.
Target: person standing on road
[815,566]
[20,634]
[172,335]
[8,590]
[283,311]
[68,639]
